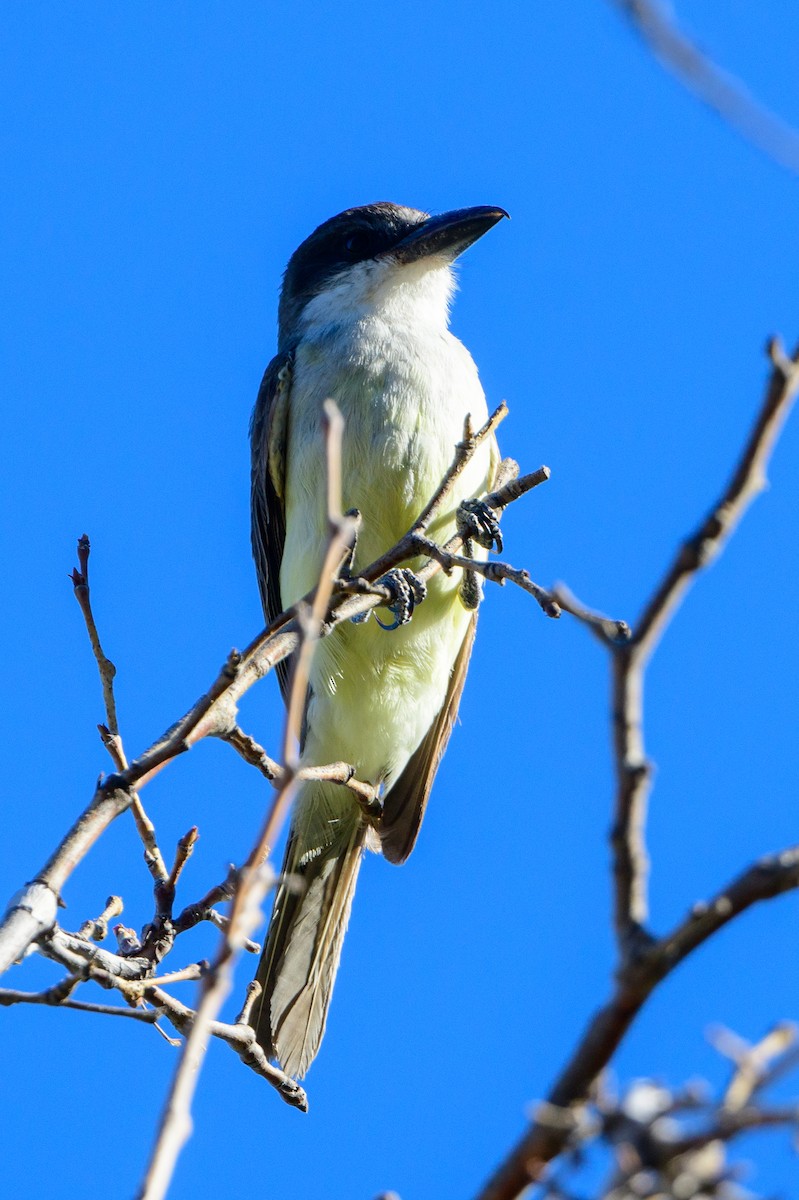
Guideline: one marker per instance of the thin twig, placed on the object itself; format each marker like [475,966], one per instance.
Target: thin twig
[80,583]
[185,975]
[464,453]
[109,732]
[32,912]
[607,629]
[446,557]
[493,571]
[9,996]
[222,922]
[339,772]
[253,753]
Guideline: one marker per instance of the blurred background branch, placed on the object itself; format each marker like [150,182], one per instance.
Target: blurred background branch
[654,21]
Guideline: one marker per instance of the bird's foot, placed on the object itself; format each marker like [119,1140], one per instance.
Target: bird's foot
[407,590]
[477,523]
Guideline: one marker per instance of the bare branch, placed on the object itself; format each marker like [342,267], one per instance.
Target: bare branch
[494,572]
[720,91]
[252,753]
[546,1138]
[607,629]
[732,1125]
[464,453]
[9,996]
[633,770]
[109,732]
[32,911]
[510,487]
[80,583]
[239,1036]
[643,959]
[747,481]
[340,772]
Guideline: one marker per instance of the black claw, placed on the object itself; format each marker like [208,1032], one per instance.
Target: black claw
[477,523]
[407,591]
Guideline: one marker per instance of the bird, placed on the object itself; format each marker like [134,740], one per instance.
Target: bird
[363,319]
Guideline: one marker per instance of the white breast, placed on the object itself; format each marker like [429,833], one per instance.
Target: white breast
[404,385]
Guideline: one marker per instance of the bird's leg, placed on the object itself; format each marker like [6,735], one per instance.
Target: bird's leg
[371,805]
[471,589]
[476,523]
[407,590]
[347,569]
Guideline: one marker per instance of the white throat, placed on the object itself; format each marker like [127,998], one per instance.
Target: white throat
[413,294]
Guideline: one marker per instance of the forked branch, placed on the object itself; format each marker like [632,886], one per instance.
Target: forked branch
[645,960]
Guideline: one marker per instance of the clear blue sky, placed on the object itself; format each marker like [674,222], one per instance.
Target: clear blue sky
[160,163]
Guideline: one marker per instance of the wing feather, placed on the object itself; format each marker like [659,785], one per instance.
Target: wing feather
[268,437]
[405,803]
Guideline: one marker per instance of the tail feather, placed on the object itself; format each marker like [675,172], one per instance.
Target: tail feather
[300,960]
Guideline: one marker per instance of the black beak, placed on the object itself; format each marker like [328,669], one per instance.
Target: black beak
[447,234]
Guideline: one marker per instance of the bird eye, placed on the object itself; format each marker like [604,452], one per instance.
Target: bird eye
[357,245]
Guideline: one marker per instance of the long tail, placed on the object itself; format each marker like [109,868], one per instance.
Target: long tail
[312,907]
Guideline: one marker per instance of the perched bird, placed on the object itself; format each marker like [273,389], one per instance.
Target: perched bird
[363,319]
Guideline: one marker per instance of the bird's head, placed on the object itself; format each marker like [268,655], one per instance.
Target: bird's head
[379,256]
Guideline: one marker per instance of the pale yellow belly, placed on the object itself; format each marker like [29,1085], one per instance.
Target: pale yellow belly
[375,693]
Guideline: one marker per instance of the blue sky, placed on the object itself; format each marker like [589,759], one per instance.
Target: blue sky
[159,165]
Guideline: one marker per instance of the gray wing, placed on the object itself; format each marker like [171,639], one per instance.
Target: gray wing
[268,435]
[404,804]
